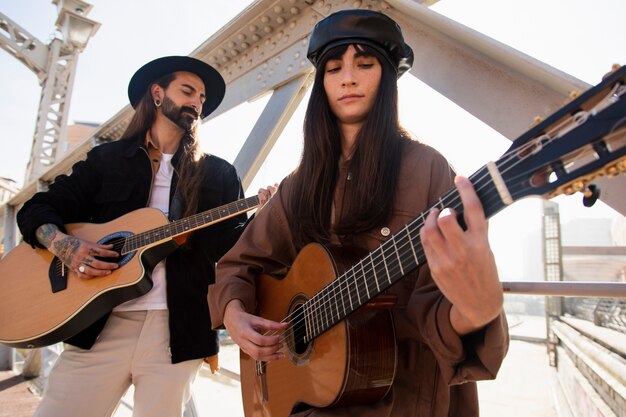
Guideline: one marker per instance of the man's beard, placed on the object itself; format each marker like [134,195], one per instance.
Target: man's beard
[184,117]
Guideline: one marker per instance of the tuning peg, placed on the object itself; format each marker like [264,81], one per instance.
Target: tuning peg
[614,68]
[574,94]
[591,195]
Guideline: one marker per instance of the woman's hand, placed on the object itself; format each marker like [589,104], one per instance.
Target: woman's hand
[77,254]
[461,262]
[260,338]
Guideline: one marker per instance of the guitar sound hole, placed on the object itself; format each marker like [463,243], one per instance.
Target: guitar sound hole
[298,330]
[297,337]
[117,239]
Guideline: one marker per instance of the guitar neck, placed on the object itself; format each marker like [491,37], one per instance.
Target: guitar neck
[560,155]
[189,224]
[386,265]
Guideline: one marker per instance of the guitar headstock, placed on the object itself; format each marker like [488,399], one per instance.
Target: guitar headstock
[563,154]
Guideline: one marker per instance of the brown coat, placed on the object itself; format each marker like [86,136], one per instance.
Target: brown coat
[436,368]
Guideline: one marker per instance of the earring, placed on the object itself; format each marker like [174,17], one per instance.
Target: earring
[157,103]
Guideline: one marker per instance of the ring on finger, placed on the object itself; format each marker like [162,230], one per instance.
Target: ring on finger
[81,269]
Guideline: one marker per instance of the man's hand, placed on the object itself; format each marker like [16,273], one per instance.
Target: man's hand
[266,193]
[77,254]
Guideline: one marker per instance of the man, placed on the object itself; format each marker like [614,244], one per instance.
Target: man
[155,342]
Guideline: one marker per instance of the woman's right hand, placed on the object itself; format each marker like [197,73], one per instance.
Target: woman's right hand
[260,338]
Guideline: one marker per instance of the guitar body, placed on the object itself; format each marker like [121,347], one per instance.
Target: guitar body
[32,315]
[353,362]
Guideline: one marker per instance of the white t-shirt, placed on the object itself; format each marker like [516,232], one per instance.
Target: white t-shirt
[156,298]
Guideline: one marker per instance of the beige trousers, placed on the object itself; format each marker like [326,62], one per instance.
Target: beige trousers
[132,349]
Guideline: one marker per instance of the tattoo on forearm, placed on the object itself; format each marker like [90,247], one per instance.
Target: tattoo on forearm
[66,248]
[46,233]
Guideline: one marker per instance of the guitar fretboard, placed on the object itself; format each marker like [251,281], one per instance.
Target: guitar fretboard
[387,264]
[188,224]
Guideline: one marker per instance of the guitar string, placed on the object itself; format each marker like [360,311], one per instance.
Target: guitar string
[325,297]
[137,241]
[555,131]
[181,226]
[558,129]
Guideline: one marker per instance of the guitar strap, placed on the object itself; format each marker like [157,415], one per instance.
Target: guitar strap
[176,206]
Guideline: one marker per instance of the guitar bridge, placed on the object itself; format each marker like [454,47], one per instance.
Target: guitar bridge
[262,375]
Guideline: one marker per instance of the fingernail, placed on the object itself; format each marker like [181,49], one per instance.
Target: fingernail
[445,212]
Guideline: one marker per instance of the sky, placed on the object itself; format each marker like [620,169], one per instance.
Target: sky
[581,38]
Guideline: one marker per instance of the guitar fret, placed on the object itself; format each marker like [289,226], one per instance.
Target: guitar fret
[356,284]
[333,308]
[325,313]
[367,290]
[349,291]
[386,271]
[343,301]
[318,324]
[408,233]
[393,240]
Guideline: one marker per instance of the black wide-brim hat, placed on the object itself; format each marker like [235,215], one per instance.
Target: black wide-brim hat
[361,26]
[214,84]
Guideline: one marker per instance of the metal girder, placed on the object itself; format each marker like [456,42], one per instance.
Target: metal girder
[49,138]
[29,50]
[268,127]
[264,47]
[499,85]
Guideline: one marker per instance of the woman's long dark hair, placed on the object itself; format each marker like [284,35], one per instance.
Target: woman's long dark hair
[374,165]
[188,169]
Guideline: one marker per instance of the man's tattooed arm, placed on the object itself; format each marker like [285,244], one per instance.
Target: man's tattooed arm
[62,245]
[46,234]
[66,249]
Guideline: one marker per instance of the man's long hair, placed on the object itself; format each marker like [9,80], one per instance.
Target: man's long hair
[189,168]
[374,165]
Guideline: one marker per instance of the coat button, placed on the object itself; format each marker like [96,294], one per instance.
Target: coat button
[385,231]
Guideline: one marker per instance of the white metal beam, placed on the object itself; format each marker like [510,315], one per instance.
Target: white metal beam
[264,47]
[26,48]
[277,112]
[49,138]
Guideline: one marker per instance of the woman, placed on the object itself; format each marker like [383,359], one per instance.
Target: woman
[450,329]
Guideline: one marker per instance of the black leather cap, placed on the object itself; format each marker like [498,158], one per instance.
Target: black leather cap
[365,27]
[214,84]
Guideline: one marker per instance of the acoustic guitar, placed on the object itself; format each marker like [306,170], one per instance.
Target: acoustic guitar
[42,302]
[340,344]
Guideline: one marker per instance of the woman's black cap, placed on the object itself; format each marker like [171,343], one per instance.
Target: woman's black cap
[361,26]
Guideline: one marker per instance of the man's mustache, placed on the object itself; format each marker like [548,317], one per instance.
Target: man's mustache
[190,110]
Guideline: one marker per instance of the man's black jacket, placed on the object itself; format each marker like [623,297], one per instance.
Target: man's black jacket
[116,178]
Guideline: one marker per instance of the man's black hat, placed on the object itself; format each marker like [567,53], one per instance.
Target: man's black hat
[214,84]
[365,27]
